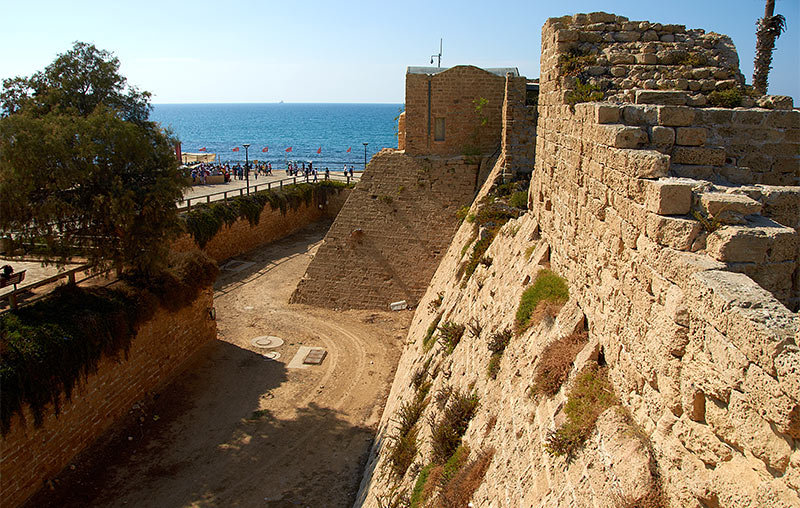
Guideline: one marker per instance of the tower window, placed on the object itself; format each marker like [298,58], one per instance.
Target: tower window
[438,131]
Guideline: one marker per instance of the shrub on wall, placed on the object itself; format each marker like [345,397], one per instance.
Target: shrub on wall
[50,346]
[204,221]
[498,343]
[591,395]
[451,334]
[556,361]
[446,433]
[547,289]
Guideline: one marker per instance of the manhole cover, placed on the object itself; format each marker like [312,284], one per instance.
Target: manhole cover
[271,355]
[236,265]
[267,342]
[315,356]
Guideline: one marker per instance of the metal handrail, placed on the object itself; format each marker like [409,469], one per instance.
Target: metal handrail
[254,188]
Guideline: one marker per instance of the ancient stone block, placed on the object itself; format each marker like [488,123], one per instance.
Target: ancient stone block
[691,136]
[662,136]
[606,113]
[740,425]
[673,232]
[666,97]
[780,242]
[640,115]
[618,71]
[668,196]
[693,172]
[787,365]
[646,58]
[622,136]
[781,204]
[749,316]
[764,394]
[698,439]
[565,35]
[624,455]
[775,102]
[646,164]
[698,155]
[729,208]
[675,116]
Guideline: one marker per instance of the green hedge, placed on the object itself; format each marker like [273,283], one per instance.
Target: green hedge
[49,346]
[204,221]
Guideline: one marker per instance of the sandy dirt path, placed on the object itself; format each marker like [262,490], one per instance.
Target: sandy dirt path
[237,429]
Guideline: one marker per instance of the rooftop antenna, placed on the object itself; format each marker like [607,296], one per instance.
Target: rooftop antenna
[439,56]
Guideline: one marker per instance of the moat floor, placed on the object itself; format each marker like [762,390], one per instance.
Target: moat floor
[237,429]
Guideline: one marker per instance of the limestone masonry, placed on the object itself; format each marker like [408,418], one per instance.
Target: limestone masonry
[675,226]
[161,347]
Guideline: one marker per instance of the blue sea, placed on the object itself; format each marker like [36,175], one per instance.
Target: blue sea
[305,127]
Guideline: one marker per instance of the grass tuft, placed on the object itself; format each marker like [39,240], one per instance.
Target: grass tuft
[730,98]
[430,339]
[451,334]
[458,492]
[589,397]
[548,288]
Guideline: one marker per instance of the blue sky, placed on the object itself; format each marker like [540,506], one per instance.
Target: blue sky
[351,51]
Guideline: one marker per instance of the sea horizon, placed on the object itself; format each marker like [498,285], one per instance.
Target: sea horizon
[319,132]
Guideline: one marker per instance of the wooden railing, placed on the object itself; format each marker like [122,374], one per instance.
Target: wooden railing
[70,275]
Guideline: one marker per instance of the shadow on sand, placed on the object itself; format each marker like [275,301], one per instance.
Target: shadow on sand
[204,442]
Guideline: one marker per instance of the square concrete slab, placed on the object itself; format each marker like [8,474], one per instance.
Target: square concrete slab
[297,359]
[315,356]
[236,265]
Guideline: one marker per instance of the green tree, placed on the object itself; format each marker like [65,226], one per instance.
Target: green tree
[82,169]
[768,29]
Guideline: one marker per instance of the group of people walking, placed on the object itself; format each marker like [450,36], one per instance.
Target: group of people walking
[202,171]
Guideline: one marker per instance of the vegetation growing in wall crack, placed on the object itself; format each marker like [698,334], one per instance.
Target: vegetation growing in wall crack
[545,297]
[462,213]
[498,343]
[451,334]
[583,92]
[493,212]
[465,480]
[709,223]
[575,61]
[50,346]
[430,339]
[447,431]
[730,98]
[589,397]
[556,361]
[203,222]
[456,480]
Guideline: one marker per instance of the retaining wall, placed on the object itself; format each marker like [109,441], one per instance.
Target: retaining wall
[241,237]
[157,353]
[693,318]
[391,234]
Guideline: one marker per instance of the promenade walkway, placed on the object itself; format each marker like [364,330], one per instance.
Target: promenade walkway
[214,192]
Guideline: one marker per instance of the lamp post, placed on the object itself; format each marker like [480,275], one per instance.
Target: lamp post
[365,156]
[247,166]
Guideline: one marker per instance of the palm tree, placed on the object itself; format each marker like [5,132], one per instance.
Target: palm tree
[768,29]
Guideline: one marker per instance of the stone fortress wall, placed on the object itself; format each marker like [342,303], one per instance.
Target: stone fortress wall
[391,234]
[450,95]
[397,223]
[695,319]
